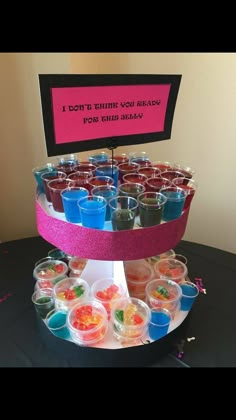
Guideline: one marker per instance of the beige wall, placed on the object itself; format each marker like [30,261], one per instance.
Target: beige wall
[203,133]
[22,137]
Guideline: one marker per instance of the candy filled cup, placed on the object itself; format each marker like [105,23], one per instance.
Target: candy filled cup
[87,322]
[106,292]
[138,273]
[77,265]
[130,318]
[50,272]
[171,269]
[168,254]
[163,293]
[69,291]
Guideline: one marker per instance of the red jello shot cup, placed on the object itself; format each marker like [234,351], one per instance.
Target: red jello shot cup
[186,170]
[55,187]
[121,158]
[154,184]
[162,165]
[135,178]
[86,167]
[98,181]
[107,292]
[149,171]
[171,174]
[125,168]
[87,322]
[49,176]
[81,179]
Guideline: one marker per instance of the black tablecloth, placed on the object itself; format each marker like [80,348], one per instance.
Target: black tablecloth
[208,339]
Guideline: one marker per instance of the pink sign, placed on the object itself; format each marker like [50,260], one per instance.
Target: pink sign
[93,112]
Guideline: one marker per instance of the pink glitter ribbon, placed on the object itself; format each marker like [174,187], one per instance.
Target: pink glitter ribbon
[110,246]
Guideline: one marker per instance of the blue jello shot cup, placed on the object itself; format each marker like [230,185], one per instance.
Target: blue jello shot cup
[38,171]
[189,293]
[108,192]
[175,202]
[92,211]
[159,323]
[70,197]
[56,323]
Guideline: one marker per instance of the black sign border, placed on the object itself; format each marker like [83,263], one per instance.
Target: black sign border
[49,81]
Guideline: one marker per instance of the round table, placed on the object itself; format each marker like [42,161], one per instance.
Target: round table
[204,339]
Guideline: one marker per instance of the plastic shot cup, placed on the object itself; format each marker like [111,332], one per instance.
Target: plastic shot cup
[159,323]
[55,187]
[125,168]
[149,171]
[56,323]
[121,158]
[185,170]
[161,293]
[81,179]
[69,291]
[155,183]
[129,317]
[98,157]
[189,293]
[86,167]
[49,176]
[151,205]
[123,211]
[43,302]
[77,266]
[135,178]
[67,163]
[92,211]
[188,185]
[111,171]
[138,273]
[181,258]
[175,203]
[108,192]
[87,322]
[70,197]
[162,165]
[107,292]
[38,171]
[171,269]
